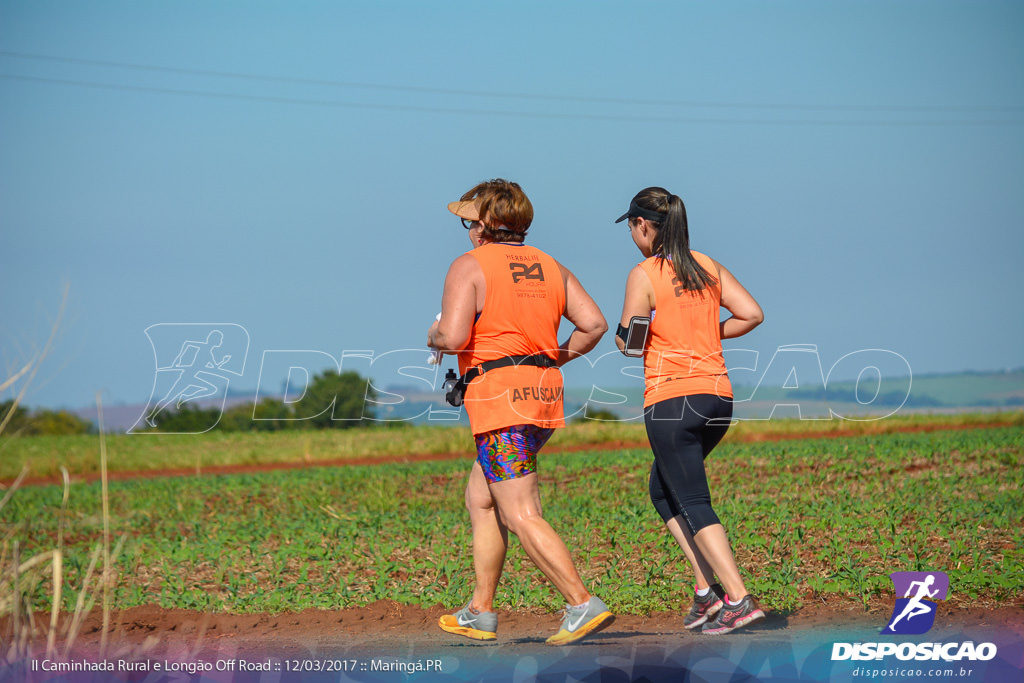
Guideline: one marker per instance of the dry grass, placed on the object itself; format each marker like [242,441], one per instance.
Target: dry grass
[21,576]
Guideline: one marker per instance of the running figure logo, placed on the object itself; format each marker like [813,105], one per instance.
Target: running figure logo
[193,362]
[914,613]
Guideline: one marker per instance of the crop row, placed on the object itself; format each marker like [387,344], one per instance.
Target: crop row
[45,455]
[809,519]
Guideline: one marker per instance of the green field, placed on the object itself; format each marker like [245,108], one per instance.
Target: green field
[79,454]
[810,519]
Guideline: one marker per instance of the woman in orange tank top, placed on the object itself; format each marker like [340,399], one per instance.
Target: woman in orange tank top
[501,300]
[687,395]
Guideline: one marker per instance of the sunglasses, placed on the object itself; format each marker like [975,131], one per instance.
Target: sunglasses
[469,225]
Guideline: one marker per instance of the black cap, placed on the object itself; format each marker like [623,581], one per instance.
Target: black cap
[637,211]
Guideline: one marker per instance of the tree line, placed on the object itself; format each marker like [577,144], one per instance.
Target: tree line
[42,422]
[332,400]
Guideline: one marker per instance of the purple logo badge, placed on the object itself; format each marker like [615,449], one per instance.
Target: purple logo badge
[914,612]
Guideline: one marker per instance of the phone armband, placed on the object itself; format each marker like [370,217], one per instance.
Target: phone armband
[635,336]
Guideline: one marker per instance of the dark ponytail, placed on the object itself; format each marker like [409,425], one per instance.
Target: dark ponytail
[672,240]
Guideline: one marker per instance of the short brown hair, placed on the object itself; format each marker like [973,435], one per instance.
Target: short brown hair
[505,206]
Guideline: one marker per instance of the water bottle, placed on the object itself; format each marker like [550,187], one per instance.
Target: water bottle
[449,381]
[452,389]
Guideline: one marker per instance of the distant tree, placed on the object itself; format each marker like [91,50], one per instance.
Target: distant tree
[236,419]
[57,423]
[187,419]
[18,421]
[595,415]
[43,422]
[332,400]
[336,400]
[269,415]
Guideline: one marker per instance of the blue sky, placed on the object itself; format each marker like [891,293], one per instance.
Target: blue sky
[284,168]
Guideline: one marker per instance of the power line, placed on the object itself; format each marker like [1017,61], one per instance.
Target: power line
[507,113]
[525,96]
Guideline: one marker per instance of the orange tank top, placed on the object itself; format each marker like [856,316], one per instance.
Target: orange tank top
[523,305]
[684,348]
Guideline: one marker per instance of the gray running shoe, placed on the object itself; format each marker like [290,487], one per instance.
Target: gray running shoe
[475,625]
[731,617]
[704,607]
[582,621]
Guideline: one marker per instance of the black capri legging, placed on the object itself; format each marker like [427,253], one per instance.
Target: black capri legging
[682,432]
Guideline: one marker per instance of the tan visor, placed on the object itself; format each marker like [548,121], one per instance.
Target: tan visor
[468,209]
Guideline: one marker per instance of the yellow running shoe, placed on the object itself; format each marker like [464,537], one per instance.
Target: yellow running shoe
[475,625]
[582,621]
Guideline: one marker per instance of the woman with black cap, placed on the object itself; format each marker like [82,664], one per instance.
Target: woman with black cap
[687,394]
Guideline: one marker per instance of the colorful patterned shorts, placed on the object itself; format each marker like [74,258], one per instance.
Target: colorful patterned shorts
[510,452]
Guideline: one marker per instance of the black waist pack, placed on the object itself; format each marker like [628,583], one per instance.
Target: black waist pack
[456,395]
